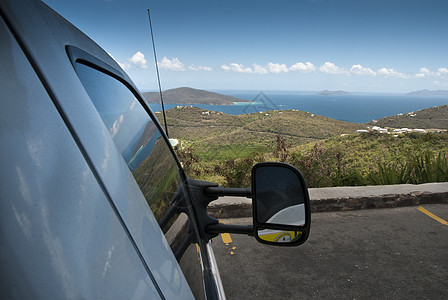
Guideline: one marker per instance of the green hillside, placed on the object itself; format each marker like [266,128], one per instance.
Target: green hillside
[430,118]
[221,136]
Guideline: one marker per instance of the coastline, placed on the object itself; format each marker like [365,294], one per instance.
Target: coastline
[352,108]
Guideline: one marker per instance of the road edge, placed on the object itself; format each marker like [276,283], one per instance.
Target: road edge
[346,198]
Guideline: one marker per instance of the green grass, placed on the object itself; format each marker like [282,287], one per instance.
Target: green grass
[226,152]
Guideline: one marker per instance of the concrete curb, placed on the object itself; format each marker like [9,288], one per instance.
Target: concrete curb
[346,198]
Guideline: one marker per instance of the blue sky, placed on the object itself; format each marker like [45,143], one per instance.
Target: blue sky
[303,45]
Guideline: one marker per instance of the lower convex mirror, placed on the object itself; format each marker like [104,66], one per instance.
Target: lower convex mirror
[278,236]
[281,205]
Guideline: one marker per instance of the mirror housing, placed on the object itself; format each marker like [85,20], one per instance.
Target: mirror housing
[281,204]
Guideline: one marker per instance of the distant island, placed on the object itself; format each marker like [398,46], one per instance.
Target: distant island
[428,93]
[187,95]
[339,92]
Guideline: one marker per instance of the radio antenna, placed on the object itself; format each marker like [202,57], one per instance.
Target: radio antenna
[158,76]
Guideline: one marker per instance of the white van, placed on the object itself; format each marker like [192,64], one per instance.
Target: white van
[94,203]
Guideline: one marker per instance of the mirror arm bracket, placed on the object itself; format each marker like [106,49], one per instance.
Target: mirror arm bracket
[224,228]
[219,191]
[210,227]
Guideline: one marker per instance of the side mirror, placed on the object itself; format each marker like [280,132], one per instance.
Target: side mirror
[281,204]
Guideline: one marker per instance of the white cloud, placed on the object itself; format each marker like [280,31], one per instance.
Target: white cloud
[331,68]
[326,68]
[225,68]
[199,68]
[443,70]
[425,72]
[239,68]
[259,69]
[360,70]
[303,67]
[172,65]
[255,69]
[138,60]
[391,73]
[386,72]
[274,68]
[277,68]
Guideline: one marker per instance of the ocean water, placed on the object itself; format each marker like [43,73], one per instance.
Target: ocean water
[358,108]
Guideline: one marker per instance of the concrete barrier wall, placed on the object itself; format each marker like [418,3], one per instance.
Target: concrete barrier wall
[346,198]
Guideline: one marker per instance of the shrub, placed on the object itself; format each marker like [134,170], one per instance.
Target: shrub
[429,167]
[237,172]
[418,168]
[390,173]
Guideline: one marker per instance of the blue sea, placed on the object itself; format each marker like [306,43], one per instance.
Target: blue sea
[358,108]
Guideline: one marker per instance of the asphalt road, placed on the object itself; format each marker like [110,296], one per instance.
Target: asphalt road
[399,253]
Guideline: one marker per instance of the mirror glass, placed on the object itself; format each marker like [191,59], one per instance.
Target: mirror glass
[280,198]
[279,236]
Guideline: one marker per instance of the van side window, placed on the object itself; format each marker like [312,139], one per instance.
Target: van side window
[151,162]
[141,144]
